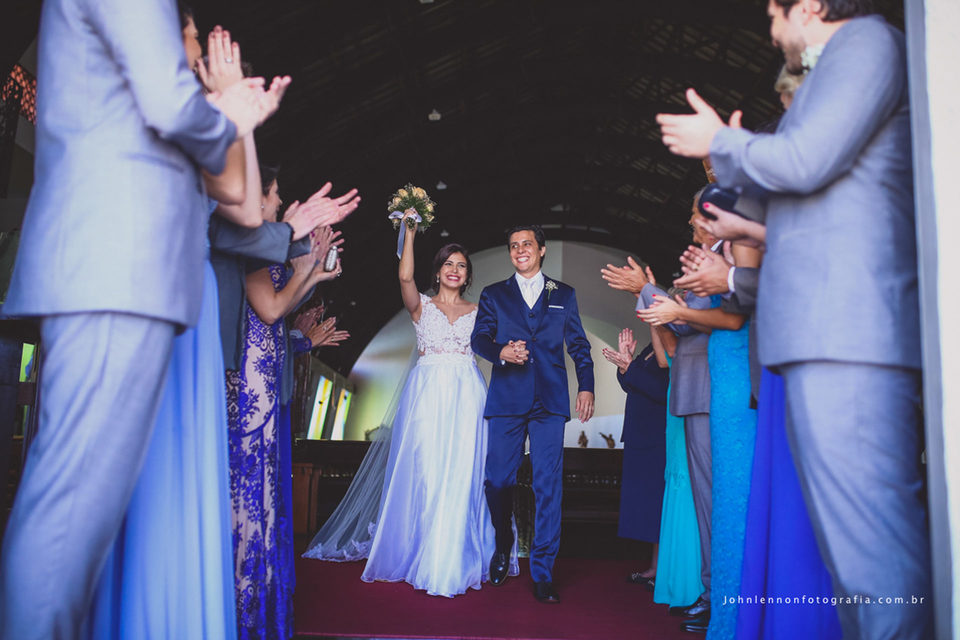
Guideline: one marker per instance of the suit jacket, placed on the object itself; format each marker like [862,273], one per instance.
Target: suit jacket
[554,321]
[690,371]
[840,214]
[117,216]
[231,246]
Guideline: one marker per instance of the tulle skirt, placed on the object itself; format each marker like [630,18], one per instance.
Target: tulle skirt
[434,528]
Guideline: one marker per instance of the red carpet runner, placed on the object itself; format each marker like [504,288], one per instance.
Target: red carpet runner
[596,604]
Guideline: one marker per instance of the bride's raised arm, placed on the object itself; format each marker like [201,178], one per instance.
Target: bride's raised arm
[408,287]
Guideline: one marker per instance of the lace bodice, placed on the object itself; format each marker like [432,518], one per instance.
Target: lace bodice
[435,334]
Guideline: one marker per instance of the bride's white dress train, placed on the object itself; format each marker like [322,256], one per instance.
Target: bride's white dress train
[431,527]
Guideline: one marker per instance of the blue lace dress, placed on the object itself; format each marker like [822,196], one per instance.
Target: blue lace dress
[262,531]
[733,429]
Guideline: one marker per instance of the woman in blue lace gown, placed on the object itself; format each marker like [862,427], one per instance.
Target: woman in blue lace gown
[416,509]
[732,432]
[261,523]
[781,558]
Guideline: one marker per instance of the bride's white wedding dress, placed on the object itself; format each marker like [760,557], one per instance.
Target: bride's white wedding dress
[431,527]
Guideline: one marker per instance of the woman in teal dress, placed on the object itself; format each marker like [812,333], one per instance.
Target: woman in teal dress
[732,432]
[678,568]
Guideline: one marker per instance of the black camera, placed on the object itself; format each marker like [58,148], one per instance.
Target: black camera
[719,197]
[729,200]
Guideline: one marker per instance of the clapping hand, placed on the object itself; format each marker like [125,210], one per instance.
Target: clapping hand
[664,310]
[307,320]
[246,103]
[690,135]
[330,211]
[325,334]
[630,277]
[705,273]
[322,239]
[626,345]
[223,62]
[730,226]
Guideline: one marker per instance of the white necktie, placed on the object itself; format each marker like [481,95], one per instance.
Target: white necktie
[528,292]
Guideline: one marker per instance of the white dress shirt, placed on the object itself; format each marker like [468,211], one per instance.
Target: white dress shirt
[531,288]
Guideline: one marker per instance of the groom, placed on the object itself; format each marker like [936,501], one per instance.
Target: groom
[521,327]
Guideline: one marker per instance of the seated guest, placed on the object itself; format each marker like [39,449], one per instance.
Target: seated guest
[644,380]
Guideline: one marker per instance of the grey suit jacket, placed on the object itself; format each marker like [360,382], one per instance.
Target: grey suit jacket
[690,371]
[230,247]
[840,214]
[117,217]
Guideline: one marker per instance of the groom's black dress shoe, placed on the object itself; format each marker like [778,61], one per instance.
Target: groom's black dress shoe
[697,625]
[544,592]
[499,566]
[695,610]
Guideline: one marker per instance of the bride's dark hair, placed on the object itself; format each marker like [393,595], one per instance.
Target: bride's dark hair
[445,252]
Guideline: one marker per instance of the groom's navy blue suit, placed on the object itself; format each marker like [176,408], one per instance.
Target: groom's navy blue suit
[530,399]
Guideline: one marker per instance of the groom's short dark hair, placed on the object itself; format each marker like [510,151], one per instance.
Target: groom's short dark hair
[537,234]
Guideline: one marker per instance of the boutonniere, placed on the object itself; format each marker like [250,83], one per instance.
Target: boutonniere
[550,286]
[810,55]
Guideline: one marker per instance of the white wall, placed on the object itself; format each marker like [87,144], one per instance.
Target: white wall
[943,92]
[604,312]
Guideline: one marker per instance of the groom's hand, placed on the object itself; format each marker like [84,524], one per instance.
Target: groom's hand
[515,352]
[585,405]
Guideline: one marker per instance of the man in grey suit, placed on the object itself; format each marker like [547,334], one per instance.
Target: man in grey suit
[112,241]
[689,399]
[840,222]
[707,274]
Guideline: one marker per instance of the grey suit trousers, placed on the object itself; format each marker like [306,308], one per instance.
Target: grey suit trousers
[854,431]
[100,386]
[700,463]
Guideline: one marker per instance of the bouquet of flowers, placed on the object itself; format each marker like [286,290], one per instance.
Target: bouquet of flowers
[411,197]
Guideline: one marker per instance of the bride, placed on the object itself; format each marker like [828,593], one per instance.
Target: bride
[416,508]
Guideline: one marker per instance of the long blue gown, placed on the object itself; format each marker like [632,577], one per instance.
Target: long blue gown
[678,563]
[781,559]
[644,448]
[733,428]
[170,572]
[262,529]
